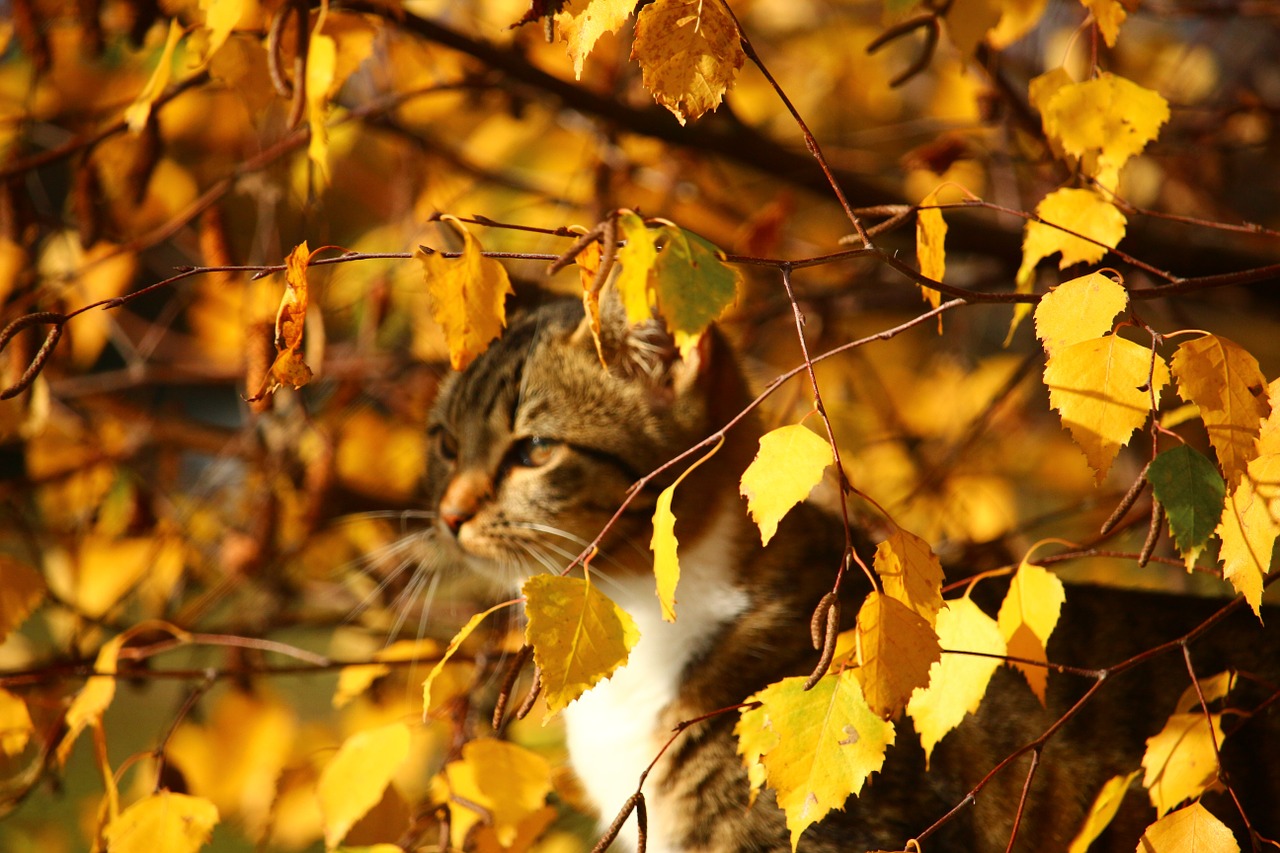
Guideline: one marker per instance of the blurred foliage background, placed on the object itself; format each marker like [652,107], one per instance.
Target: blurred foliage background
[139,484]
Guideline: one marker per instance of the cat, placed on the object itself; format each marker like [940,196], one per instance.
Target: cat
[532,450]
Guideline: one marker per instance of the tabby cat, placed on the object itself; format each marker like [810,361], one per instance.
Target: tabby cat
[532,450]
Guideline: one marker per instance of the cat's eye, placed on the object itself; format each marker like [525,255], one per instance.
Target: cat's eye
[446,444]
[533,452]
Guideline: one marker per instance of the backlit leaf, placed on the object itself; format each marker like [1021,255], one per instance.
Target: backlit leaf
[508,781]
[583,30]
[1081,212]
[1109,15]
[636,260]
[15,723]
[164,822]
[1078,310]
[931,237]
[692,283]
[817,747]
[354,779]
[896,648]
[220,18]
[665,546]
[689,54]
[355,680]
[1249,527]
[1190,830]
[322,57]
[910,572]
[1104,808]
[468,296]
[21,590]
[1213,688]
[1192,492]
[787,466]
[1180,761]
[1099,387]
[957,682]
[1027,617]
[579,636]
[1105,121]
[1224,381]
[139,112]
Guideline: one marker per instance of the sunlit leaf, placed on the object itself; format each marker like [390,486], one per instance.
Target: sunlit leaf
[910,572]
[1078,310]
[583,30]
[817,747]
[786,468]
[220,18]
[354,779]
[931,238]
[15,723]
[1104,389]
[1190,830]
[22,589]
[1109,15]
[689,54]
[1081,212]
[665,546]
[1105,121]
[1224,381]
[139,112]
[1027,617]
[957,682]
[1104,808]
[468,296]
[636,260]
[355,680]
[431,700]
[896,648]
[322,57]
[1180,761]
[508,781]
[1213,688]
[1192,493]
[164,822]
[1249,527]
[579,636]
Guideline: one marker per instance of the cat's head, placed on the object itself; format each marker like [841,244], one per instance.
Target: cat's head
[534,445]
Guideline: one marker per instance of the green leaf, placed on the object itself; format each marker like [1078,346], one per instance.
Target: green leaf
[1193,494]
[693,284]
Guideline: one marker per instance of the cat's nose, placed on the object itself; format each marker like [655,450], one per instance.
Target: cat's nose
[463,497]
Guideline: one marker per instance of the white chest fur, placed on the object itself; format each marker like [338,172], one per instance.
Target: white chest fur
[613,730]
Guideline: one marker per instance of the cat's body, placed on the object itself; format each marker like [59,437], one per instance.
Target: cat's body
[533,450]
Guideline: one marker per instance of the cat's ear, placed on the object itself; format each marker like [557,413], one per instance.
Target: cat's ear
[644,351]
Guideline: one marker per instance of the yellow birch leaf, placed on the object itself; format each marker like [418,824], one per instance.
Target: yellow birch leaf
[508,781]
[220,18]
[21,590]
[1109,15]
[931,238]
[582,31]
[15,723]
[579,636]
[1214,687]
[1180,761]
[635,260]
[1039,92]
[689,53]
[1027,617]
[896,649]
[665,546]
[1190,830]
[355,680]
[1104,808]
[355,778]
[1099,387]
[528,832]
[1082,212]
[588,263]
[429,701]
[1223,379]
[1104,121]
[138,113]
[468,296]
[1017,18]
[817,747]
[107,568]
[787,466]
[957,682]
[1078,310]
[164,822]
[235,758]
[968,22]
[322,58]
[1249,527]
[910,572]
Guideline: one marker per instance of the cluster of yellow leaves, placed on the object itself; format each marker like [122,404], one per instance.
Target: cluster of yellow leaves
[689,51]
